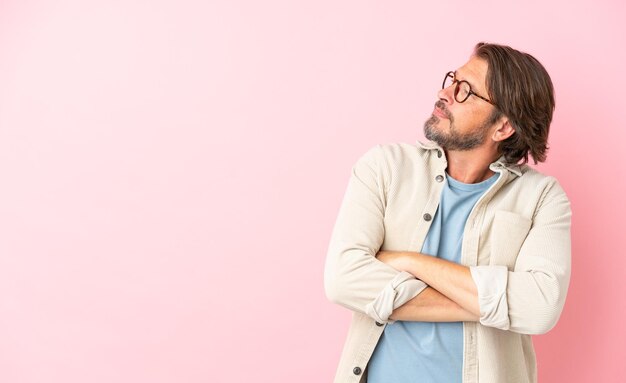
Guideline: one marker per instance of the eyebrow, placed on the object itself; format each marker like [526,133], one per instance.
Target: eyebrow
[472,87]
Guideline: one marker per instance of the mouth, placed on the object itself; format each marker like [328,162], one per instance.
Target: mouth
[440,111]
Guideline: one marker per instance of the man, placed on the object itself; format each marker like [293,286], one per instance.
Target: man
[453,252]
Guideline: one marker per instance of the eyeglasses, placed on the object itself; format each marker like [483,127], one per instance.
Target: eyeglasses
[463,90]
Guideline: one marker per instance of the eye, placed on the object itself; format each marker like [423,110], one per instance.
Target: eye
[464,89]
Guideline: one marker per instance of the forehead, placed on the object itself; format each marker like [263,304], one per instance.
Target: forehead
[475,72]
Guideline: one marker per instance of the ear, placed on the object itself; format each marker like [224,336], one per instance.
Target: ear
[503,131]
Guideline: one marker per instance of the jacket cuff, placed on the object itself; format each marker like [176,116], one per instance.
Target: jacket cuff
[491,282]
[402,288]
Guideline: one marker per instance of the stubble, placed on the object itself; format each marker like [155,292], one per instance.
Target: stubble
[453,140]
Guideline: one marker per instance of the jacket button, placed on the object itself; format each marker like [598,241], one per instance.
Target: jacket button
[357,370]
[378,324]
[427,217]
[438,153]
[439,178]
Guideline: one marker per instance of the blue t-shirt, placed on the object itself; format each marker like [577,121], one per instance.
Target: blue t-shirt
[431,352]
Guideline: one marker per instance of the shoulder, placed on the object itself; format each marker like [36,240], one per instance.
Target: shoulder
[395,154]
[393,163]
[546,189]
[533,178]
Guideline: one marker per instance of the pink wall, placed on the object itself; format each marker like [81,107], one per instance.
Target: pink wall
[171,171]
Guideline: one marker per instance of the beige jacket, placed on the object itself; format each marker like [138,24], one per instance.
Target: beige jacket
[516,242]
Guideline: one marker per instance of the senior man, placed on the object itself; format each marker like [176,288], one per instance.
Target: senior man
[451,253]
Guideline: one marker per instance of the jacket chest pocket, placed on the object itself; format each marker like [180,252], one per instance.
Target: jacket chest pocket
[508,234]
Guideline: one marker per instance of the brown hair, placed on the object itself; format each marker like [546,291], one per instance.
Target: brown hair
[521,89]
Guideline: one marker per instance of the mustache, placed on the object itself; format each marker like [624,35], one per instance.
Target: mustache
[442,106]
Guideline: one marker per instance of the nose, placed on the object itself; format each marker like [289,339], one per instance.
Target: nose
[447,94]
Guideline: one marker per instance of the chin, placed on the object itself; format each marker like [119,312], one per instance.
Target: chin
[432,127]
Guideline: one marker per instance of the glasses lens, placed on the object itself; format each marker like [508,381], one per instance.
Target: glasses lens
[462,91]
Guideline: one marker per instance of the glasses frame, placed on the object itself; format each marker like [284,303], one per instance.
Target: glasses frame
[452,75]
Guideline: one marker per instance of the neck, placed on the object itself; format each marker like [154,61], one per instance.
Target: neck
[470,166]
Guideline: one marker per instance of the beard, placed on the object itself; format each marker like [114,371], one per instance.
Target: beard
[453,140]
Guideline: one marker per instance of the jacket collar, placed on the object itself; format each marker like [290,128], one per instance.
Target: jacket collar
[500,163]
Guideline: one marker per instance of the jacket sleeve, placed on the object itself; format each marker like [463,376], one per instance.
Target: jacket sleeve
[529,299]
[353,277]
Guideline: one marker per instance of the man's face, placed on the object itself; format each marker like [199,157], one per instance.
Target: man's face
[462,126]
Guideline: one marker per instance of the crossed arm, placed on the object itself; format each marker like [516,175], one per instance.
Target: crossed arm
[452,295]
[526,296]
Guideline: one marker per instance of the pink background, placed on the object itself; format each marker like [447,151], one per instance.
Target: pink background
[170,172]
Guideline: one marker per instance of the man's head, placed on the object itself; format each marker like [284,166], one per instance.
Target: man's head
[503,98]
